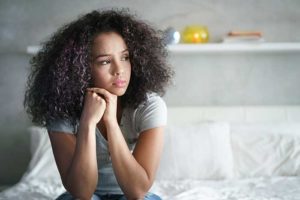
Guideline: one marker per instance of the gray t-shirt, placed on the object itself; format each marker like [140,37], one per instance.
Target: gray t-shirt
[150,114]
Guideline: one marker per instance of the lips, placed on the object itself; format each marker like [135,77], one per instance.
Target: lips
[120,83]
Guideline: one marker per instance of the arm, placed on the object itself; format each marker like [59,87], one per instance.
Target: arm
[139,168]
[76,156]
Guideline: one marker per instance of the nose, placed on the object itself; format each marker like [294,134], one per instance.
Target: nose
[119,73]
[118,69]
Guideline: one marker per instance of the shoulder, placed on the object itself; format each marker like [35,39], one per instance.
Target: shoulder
[151,113]
[153,100]
[153,104]
[61,125]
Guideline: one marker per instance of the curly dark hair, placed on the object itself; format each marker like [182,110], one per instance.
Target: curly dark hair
[60,72]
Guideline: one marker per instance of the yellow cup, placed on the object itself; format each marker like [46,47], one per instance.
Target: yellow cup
[195,34]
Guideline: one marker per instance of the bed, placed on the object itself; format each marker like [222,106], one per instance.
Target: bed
[211,153]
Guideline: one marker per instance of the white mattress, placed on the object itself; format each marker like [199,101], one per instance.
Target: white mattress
[275,188]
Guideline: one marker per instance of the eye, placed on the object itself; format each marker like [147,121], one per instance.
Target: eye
[125,58]
[103,62]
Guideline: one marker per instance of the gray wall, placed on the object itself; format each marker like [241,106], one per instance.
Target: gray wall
[230,78]
[212,79]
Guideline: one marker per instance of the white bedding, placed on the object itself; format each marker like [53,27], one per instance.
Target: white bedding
[275,188]
[42,181]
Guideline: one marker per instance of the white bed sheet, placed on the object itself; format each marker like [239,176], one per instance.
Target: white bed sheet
[272,188]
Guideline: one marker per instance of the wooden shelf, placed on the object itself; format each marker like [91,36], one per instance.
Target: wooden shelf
[229,47]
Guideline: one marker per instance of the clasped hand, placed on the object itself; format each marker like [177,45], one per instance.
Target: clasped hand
[98,104]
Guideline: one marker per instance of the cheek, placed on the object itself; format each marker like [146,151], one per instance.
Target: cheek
[99,78]
[129,70]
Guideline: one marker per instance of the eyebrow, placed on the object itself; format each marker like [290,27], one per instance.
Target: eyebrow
[104,55]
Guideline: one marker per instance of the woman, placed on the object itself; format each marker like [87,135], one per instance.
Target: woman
[96,86]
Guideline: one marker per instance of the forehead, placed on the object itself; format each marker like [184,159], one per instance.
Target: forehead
[108,42]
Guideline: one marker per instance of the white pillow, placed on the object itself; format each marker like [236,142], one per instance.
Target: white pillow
[197,151]
[41,180]
[266,149]
[42,164]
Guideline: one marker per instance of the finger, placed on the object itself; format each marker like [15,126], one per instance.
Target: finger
[95,95]
[98,98]
[95,89]
[100,91]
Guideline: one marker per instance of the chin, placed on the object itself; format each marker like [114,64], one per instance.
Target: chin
[118,92]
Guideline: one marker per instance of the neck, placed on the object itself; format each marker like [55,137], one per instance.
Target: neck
[119,110]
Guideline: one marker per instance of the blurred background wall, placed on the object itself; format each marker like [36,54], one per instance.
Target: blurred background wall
[206,79]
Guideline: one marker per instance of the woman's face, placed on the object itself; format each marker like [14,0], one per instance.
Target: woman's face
[110,66]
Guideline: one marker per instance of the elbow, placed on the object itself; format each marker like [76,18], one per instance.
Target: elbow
[137,196]
[82,194]
[80,191]
[139,192]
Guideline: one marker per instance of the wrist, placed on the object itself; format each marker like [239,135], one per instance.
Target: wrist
[110,120]
[85,123]
[111,123]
